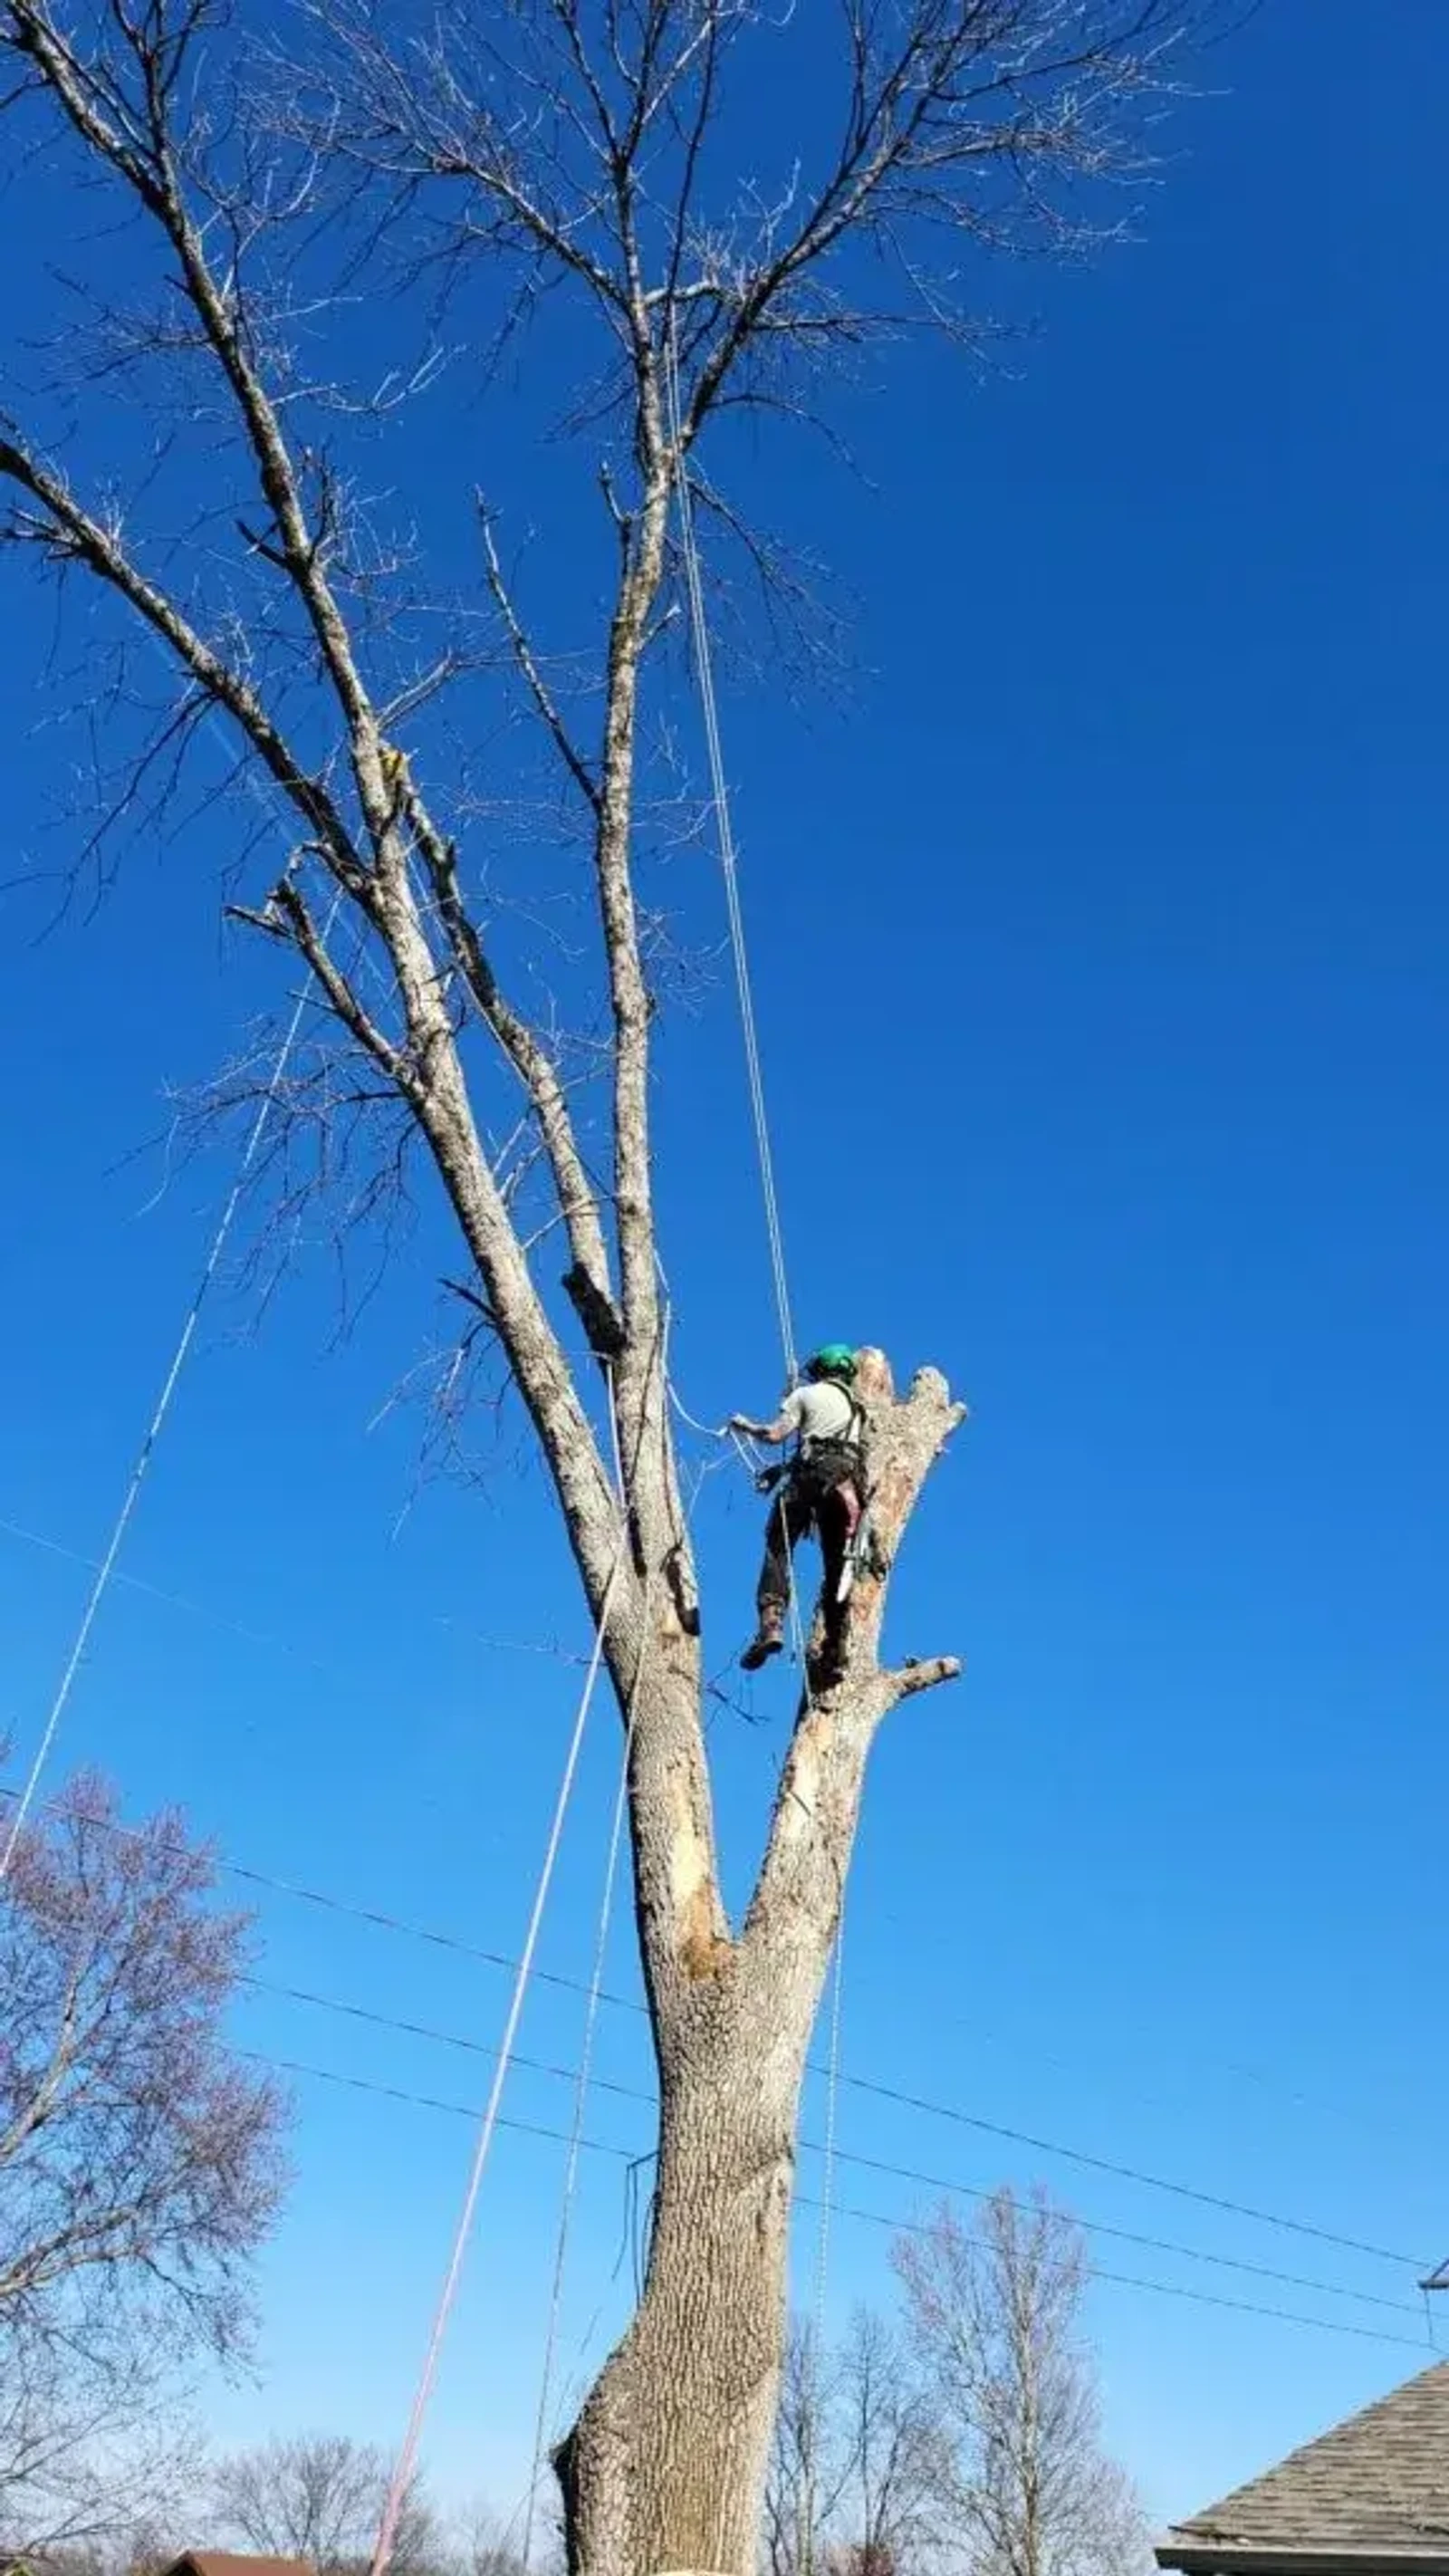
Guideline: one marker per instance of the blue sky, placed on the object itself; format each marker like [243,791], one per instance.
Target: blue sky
[1120,863]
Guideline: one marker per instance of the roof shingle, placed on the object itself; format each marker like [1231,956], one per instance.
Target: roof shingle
[1379,2482]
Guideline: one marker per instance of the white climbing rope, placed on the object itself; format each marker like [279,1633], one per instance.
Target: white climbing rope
[406,2462]
[832,2093]
[822,2242]
[591,2016]
[408,2456]
[704,666]
[107,1566]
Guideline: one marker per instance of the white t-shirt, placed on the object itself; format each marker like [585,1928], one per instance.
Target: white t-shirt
[822,1412]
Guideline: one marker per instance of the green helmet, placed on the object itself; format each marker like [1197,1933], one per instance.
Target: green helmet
[833,1359]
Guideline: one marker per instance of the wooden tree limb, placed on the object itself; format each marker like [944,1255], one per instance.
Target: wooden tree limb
[142,153]
[72,534]
[340,993]
[588,1280]
[543,698]
[77,535]
[682,1889]
[33,2114]
[639,584]
[927,1675]
[139,147]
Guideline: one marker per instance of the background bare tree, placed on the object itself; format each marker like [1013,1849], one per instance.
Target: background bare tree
[804,2471]
[996,2313]
[318,2496]
[859,2458]
[86,2459]
[140,2165]
[489,2545]
[196,458]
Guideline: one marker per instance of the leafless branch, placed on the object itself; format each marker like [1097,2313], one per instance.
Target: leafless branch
[538,688]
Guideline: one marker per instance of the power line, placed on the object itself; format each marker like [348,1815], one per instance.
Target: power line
[378,1916]
[444,2038]
[1180,2290]
[869,2217]
[171,1600]
[1150,2244]
[1127,2173]
[648,2098]
[559,1653]
[426,2101]
[382,1920]
[1136,2175]
[265,1637]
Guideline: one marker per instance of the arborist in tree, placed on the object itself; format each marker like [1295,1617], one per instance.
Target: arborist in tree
[821,1488]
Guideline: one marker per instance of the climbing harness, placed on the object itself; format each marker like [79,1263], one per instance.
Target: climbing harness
[822,1469]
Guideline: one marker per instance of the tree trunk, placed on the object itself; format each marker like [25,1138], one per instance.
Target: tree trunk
[665,2468]
[666,2464]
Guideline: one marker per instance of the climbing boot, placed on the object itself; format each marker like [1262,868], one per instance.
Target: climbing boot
[768,1640]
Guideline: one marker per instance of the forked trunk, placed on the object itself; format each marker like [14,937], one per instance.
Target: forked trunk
[665,2468]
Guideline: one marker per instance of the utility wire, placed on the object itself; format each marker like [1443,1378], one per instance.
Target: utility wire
[387,1922]
[559,1653]
[1122,2173]
[870,2217]
[268,1638]
[647,2097]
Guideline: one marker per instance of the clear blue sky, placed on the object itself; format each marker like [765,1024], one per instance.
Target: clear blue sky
[1125,862]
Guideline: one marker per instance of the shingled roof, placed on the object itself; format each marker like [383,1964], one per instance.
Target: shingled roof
[1375,2489]
[229,2562]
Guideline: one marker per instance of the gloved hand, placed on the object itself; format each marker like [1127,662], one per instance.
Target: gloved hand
[767,1479]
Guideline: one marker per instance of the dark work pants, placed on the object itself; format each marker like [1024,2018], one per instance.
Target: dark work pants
[794,1513]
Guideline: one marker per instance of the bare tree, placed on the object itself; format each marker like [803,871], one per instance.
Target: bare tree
[857,2459]
[318,2497]
[140,2165]
[898,2450]
[802,2474]
[489,2545]
[205,476]
[85,2457]
[997,2317]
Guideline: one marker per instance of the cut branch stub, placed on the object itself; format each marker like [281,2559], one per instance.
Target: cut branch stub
[903,1439]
